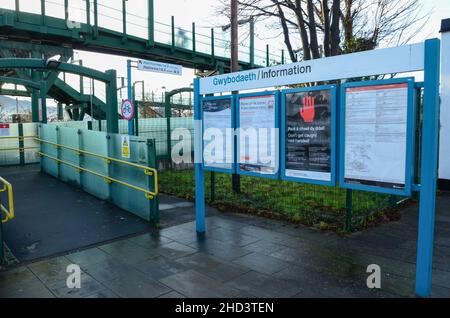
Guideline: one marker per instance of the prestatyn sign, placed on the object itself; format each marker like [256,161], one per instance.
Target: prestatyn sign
[166,68]
[325,69]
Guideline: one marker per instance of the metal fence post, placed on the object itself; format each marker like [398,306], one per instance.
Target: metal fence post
[212,45]
[95,19]
[193,39]
[212,194]
[43,20]
[124,21]
[172,25]
[168,114]
[152,163]
[348,210]
[21,145]
[151,23]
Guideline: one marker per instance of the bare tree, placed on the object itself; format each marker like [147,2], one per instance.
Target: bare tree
[316,28]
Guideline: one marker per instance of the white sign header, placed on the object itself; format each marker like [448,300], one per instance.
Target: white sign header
[157,67]
[409,58]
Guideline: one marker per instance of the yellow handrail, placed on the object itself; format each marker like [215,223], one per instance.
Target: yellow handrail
[149,194]
[147,170]
[19,149]
[18,137]
[10,211]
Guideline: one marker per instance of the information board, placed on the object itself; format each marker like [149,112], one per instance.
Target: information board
[375,138]
[218,129]
[308,134]
[257,122]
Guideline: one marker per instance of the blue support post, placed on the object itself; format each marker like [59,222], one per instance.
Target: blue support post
[428,178]
[199,172]
[130,97]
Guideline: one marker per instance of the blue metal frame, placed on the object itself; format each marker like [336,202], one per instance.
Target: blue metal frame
[233,125]
[429,168]
[276,94]
[198,164]
[406,191]
[333,92]
[130,97]
[429,153]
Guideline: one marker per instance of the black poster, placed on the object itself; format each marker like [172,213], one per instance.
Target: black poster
[308,135]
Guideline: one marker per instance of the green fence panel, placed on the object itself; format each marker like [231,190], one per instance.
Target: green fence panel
[9,152]
[30,131]
[95,142]
[68,137]
[124,197]
[50,134]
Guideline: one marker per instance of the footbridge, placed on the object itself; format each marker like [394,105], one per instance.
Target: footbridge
[110,27]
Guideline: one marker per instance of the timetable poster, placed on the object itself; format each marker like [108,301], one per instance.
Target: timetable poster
[308,135]
[376,134]
[258,150]
[217,120]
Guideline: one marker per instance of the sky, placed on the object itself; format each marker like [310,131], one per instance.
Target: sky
[188,11]
[185,12]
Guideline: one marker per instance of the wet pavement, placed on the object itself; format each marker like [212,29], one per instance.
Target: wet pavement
[53,217]
[242,256]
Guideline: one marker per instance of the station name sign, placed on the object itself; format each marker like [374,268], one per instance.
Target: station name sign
[250,79]
[261,74]
[392,60]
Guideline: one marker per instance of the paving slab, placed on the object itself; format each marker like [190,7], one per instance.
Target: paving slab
[261,263]
[194,284]
[161,267]
[264,286]
[220,249]
[213,267]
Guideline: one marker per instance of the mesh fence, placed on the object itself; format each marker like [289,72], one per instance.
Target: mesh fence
[321,206]
[156,128]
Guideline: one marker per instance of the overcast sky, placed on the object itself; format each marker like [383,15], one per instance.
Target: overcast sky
[203,13]
[185,11]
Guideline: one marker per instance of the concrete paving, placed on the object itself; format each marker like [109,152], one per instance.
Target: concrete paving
[242,256]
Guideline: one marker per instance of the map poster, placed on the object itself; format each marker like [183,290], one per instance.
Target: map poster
[308,135]
[217,126]
[257,119]
[376,135]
